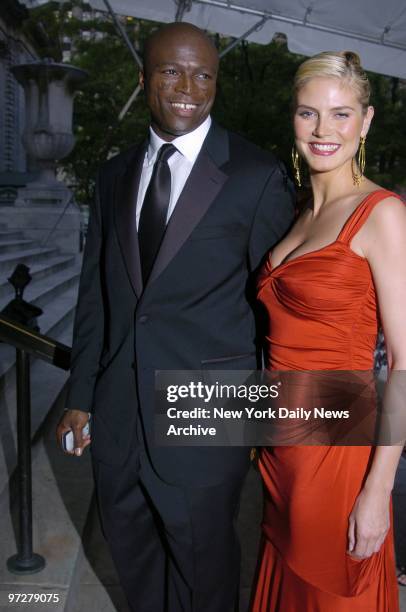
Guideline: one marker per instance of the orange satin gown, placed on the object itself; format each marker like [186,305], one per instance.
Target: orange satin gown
[322,314]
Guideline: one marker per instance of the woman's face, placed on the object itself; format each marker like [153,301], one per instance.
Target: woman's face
[328,123]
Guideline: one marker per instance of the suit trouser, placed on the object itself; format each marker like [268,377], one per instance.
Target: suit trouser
[175,548]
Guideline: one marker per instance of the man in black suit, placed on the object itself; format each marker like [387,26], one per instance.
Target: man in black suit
[173,240]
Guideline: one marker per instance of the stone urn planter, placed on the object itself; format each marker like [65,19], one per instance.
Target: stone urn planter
[49,90]
[45,209]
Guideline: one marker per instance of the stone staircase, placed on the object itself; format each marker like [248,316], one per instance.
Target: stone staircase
[53,288]
[64,513]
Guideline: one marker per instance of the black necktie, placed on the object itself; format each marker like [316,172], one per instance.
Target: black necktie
[152,223]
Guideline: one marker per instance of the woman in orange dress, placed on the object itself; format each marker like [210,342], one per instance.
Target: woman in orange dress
[327,542]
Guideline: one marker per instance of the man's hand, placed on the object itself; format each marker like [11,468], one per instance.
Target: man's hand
[74,420]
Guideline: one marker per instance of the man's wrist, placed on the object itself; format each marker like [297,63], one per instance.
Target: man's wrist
[89,414]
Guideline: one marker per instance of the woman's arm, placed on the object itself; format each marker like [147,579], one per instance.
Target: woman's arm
[383,242]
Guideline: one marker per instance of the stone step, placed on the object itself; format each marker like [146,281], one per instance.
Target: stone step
[47,290]
[62,494]
[42,291]
[46,384]
[53,288]
[52,322]
[41,270]
[11,234]
[11,246]
[46,380]
[9,261]
[60,313]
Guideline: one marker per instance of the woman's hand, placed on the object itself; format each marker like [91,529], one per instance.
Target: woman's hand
[369,522]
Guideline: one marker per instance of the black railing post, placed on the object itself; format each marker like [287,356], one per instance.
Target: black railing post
[25,561]
[28,342]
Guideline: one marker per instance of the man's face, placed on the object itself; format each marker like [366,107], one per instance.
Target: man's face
[179,82]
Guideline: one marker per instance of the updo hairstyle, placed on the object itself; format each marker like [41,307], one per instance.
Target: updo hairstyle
[335,64]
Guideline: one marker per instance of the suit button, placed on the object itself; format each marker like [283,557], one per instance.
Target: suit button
[143,319]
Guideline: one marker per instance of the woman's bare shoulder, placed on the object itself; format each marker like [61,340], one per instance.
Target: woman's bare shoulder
[391,209]
[386,224]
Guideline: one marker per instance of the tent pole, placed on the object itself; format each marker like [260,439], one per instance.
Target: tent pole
[129,102]
[123,33]
[235,42]
[183,7]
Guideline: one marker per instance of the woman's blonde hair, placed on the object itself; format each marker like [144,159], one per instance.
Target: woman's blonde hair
[344,65]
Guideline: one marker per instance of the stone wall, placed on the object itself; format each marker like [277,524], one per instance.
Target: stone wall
[14,49]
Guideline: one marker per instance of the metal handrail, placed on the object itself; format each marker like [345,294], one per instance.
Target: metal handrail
[26,339]
[28,342]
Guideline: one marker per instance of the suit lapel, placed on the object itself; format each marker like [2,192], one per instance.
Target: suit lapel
[203,185]
[125,201]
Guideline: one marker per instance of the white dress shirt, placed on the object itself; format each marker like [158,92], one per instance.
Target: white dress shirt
[180,163]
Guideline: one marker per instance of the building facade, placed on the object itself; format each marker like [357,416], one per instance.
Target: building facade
[15,48]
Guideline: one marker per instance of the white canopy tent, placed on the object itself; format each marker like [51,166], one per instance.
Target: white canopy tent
[375,29]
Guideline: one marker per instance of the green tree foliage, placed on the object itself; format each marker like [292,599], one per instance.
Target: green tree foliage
[113,76]
[386,143]
[44,27]
[96,47]
[253,98]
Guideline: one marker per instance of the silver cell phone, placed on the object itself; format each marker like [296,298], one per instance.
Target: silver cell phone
[68,442]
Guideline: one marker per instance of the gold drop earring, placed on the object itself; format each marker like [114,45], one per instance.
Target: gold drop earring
[296,165]
[358,173]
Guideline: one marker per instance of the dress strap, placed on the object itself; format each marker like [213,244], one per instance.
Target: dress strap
[357,219]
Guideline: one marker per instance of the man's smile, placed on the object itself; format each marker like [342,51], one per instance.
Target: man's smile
[183,109]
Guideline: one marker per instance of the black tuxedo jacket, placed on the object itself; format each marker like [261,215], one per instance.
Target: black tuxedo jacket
[193,313]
